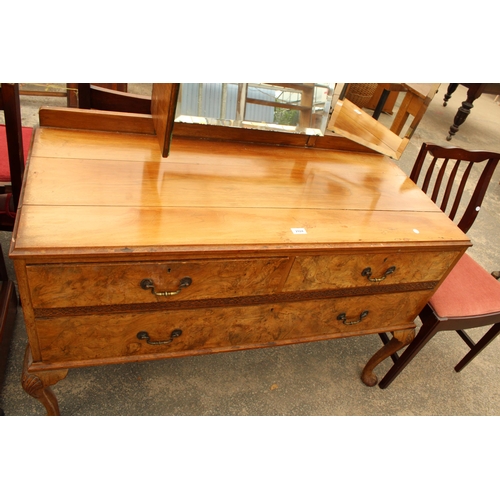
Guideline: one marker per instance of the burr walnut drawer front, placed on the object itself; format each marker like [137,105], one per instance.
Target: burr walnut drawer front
[69,339]
[361,270]
[79,285]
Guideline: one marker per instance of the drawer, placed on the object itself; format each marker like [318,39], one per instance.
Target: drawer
[349,270]
[110,284]
[86,339]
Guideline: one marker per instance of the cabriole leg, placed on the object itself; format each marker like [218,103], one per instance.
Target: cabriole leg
[399,340]
[37,384]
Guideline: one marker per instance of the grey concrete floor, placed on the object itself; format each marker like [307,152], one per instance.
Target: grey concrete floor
[321,378]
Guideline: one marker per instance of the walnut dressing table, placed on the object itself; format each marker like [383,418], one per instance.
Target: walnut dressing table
[122,255]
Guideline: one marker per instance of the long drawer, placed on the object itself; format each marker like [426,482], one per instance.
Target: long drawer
[105,336]
[144,282]
[369,269]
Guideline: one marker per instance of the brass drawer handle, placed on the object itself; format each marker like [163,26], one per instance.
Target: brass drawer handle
[145,336]
[368,272]
[343,317]
[147,284]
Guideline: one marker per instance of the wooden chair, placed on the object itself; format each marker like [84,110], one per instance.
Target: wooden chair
[13,156]
[469,297]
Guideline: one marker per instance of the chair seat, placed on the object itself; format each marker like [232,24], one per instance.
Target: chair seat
[4,155]
[468,290]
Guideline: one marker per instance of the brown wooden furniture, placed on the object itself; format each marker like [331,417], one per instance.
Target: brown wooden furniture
[229,243]
[475,90]
[469,297]
[9,103]
[352,122]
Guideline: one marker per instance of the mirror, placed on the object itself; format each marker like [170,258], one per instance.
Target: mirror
[381,116]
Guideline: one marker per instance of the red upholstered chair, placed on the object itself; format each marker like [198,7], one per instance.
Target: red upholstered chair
[469,297]
[14,142]
[14,145]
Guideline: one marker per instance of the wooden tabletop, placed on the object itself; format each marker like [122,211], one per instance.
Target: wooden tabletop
[89,192]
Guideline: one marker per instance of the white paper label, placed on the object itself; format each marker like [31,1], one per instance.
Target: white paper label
[298,230]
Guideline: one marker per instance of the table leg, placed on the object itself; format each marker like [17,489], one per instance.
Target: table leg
[474,91]
[462,114]
[451,88]
[36,384]
[400,339]
[381,104]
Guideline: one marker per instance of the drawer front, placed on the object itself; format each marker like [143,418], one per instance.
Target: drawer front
[90,338]
[348,271]
[108,284]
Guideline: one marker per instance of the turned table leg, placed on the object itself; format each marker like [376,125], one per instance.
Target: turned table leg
[451,88]
[474,91]
[37,384]
[400,339]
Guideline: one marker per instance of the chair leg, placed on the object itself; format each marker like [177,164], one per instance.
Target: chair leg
[483,342]
[430,326]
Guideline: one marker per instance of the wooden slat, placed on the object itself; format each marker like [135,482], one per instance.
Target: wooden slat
[295,86]
[276,104]
[84,119]
[41,93]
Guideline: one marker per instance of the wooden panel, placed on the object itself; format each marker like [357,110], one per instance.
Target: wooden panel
[61,143]
[345,271]
[224,182]
[218,329]
[163,104]
[66,143]
[123,230]
[90,285]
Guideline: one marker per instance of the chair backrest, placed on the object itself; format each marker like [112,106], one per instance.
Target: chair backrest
[451,175]
[10,104]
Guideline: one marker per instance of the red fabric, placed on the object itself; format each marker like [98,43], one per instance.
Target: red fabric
[468,290]
[4,155]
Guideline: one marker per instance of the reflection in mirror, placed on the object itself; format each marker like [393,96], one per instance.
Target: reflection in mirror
[302,108]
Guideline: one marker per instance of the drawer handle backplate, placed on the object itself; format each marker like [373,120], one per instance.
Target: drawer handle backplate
[368,273]
[343,317]
[148,284]
[145,336]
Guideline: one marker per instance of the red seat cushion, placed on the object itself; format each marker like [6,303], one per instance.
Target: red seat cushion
[4,154]
[468,290]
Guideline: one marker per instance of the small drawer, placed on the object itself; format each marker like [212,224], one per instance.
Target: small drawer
[81,285]
[360,270]
[85,339]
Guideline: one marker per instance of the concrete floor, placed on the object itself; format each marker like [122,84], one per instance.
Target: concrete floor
[319,378]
